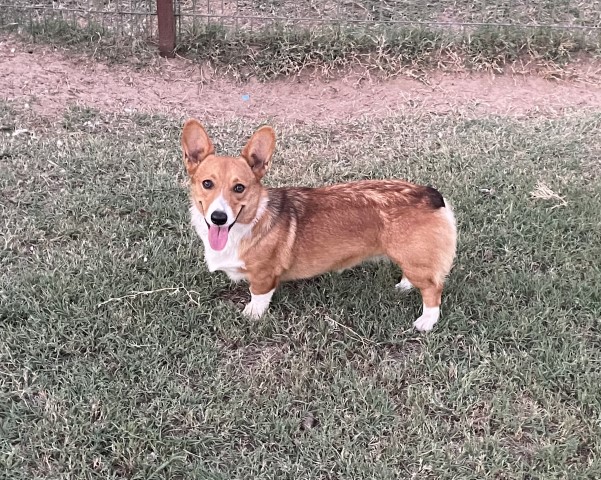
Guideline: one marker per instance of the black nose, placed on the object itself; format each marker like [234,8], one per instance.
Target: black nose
[218,218]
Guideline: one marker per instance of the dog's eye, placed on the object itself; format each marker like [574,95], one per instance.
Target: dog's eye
[208,184]
[239,188]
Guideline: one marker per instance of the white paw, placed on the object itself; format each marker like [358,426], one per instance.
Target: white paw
[404,285]
[426,322]
[253,310]
[257,305]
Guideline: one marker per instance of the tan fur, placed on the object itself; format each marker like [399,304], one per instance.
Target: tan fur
[306,232]
[202,164]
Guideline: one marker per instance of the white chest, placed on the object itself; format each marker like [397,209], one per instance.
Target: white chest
[226,260]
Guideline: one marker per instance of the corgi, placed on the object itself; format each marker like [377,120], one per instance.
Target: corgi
[270,235]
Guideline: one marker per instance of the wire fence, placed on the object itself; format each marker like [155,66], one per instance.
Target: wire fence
[553,13]
[138,18]
[131,18]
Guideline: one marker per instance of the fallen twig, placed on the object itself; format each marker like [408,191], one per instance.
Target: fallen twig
[134,294]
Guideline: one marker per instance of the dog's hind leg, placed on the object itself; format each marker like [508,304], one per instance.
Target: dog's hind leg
[425,257]
[430,288]
[429,281]
[431,297]
[405,285]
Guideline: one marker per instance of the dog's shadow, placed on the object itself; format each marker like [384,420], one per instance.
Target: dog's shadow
[363,289]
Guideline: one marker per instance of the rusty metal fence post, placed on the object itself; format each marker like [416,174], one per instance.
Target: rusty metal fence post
[166,22]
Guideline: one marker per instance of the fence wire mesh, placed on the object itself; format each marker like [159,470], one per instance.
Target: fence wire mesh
[548,13]
[137,18]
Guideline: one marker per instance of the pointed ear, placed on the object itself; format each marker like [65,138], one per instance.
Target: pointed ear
[259,149]
[196,144]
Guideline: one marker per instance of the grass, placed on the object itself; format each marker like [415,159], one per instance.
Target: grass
[277,50]
[384,51]
[573,12]
[111,43]
[100,382]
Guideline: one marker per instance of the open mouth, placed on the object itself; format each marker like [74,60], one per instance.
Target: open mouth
[218,235]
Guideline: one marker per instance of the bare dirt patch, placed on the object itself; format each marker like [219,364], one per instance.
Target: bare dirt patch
[50,81]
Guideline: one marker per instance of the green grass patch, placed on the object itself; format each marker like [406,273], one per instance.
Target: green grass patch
[90,34]
[388,51]
[279,51]
[333,382]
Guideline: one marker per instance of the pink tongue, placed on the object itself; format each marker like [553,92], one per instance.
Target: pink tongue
[218,237]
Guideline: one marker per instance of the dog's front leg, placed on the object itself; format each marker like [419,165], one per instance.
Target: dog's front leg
[261,291]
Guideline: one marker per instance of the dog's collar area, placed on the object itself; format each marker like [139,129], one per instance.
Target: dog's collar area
[233,223]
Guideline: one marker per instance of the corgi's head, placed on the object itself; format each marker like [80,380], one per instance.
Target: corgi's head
[226,190]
